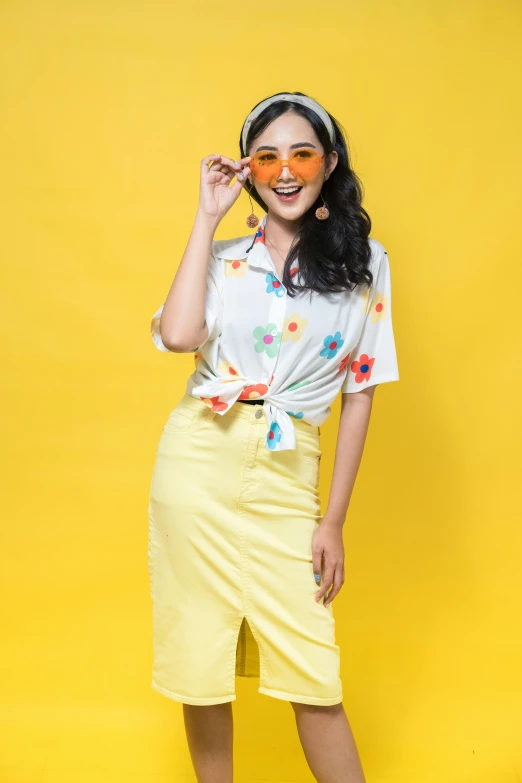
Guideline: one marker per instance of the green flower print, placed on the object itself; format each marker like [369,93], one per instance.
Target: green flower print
[298,385]
[268,339]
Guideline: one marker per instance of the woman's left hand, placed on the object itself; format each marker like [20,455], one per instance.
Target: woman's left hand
[327,542]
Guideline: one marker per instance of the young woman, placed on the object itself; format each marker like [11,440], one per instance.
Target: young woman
[243,565]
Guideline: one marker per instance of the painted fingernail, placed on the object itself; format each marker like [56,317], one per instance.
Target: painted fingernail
[326,605]
[317,577]
[240,176]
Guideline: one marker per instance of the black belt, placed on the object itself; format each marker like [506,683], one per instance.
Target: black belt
[253,402]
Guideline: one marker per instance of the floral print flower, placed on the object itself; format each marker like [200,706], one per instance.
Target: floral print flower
[379,308]
[253,392]
[293,327]
[332,345]
[273,436]
[227,372]
[260,236]
[268,339]
[362,368]
[298,415]
[273,285]
[215,404]
[236,268]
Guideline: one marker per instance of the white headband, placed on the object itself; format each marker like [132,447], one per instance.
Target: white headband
[288,96]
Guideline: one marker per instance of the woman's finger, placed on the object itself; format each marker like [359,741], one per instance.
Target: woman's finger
[338,582]
[329,570]
[223,162]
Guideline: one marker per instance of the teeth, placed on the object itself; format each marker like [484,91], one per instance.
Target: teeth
[286,190]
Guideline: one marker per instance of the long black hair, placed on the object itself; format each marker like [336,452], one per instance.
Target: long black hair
[334,254]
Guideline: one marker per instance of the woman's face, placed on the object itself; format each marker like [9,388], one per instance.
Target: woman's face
[281,137]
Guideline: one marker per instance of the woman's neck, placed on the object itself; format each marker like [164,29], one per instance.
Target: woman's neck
[281,232]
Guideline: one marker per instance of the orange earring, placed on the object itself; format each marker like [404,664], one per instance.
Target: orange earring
[322,213]
[252,220]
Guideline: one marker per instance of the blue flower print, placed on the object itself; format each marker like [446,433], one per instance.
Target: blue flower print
[273,285]
[273,435]
[332,345]
[296,415]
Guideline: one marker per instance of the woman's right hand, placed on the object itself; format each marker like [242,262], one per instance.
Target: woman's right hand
[216,195]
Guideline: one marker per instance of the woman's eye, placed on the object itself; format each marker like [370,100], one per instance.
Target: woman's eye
[304,153]
[266,158]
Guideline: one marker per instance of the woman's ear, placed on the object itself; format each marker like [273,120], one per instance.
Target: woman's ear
[332,159]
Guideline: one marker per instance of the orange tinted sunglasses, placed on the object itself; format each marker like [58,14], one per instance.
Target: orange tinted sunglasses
[303,163]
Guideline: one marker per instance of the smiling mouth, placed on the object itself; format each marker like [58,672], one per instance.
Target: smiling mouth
[287,194]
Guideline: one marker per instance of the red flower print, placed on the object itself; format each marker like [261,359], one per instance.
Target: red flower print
[215,403]
[293,270]
[236,267]
[260,236]
[253,391]
[344,363]
[362,368]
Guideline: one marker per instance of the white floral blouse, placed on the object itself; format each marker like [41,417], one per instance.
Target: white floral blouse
[294,354]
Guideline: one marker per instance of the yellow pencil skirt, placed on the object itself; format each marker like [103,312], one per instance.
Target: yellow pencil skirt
[230,561]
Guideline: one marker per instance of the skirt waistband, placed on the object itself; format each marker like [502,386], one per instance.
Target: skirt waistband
[254,416]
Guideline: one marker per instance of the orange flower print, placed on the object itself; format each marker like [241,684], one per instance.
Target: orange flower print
[344,363]
[362,368]
[236,268]
[253,391]
[214,403]
[379,307]
[228,372]
[294,269]
[197,358]
[293,327]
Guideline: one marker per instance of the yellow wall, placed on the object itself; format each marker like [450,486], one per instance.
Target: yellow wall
[106,110]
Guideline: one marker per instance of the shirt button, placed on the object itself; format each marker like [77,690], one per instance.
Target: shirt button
[259,414]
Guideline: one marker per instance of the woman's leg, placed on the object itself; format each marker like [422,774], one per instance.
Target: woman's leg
[328,743]
[209,730]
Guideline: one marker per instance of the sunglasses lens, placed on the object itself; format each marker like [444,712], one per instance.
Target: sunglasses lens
[304,163]
[264,166]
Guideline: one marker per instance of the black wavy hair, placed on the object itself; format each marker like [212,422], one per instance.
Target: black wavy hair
[334,254]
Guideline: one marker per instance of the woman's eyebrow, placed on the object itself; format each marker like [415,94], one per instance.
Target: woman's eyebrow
[292,146]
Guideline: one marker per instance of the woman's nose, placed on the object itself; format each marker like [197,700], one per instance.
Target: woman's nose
[285,172]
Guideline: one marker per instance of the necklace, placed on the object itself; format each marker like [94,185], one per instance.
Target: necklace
[277,251]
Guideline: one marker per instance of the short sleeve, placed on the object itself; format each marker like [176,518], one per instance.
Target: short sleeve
[374,359]
[213,310]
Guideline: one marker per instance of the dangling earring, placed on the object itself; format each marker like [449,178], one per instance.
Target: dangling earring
[322,213]
[252,220]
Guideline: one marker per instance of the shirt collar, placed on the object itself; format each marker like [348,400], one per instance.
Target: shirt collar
[252,249]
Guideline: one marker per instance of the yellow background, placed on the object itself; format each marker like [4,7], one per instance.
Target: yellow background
[106,111]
